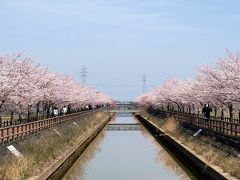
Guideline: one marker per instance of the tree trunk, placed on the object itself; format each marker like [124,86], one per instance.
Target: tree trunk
[190,110]
[183,109]
[28,113]
[37,115]
[222,114]
[20,117]
[43,110]
[48,111]
[12,116]
[231,112]
[239,114]
[215,112]
[1,121]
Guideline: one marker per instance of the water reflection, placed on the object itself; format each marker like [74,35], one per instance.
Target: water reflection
[78,170]
[124,120]
[163,158]
[126,155]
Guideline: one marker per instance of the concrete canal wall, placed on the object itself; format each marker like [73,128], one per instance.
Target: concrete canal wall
[61,166]
[188,158]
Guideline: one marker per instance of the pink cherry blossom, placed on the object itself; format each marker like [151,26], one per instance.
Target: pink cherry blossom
[217,85]
[26,87]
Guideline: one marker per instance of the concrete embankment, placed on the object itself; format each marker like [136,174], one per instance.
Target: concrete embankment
[62,165]
[189,159]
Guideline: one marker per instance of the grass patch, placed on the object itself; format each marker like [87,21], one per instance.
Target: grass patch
[229,164]
[42,149]
[171,126]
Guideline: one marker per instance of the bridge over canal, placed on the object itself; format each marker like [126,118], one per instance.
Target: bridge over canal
[123,107]
[124,127]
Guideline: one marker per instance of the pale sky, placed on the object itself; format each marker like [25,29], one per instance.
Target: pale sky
[119,40]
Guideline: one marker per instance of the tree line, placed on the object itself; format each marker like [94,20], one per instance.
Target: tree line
[217,85]
[26,87]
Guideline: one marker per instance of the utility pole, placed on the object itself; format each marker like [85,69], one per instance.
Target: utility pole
[84,75]
[144,79]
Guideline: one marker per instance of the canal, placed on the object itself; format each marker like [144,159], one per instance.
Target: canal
[127,155]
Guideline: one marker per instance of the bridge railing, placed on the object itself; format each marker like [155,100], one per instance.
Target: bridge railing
[122,107]
[124,127]
[12,133]
[214,125]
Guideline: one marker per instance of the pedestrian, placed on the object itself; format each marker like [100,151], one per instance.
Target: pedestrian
[206,111]
[64,110]
[55,112]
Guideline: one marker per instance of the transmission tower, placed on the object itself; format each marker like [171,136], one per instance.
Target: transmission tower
[144,80]
[84,75]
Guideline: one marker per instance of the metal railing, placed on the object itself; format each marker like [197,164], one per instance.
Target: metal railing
[123,109]
[12,133]
[5,123]
[124,127]
[215,125]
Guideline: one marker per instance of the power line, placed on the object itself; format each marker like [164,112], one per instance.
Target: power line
[117,86]
[123,94]
[84,75]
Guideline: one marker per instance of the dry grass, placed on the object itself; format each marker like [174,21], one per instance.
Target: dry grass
[171,126]
[152,119]
[15,169]
[215,156]
[44,148]
[211,154]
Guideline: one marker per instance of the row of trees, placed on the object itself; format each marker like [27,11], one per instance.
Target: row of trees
[26,87]
[217,85]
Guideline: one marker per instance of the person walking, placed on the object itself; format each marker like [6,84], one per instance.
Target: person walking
[206,111]
[55,112]
[64,110]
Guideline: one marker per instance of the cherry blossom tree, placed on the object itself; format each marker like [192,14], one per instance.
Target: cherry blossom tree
[25,86]
[218,85]
[221,82]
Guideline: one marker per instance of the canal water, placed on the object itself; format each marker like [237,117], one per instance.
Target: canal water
[126,155]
